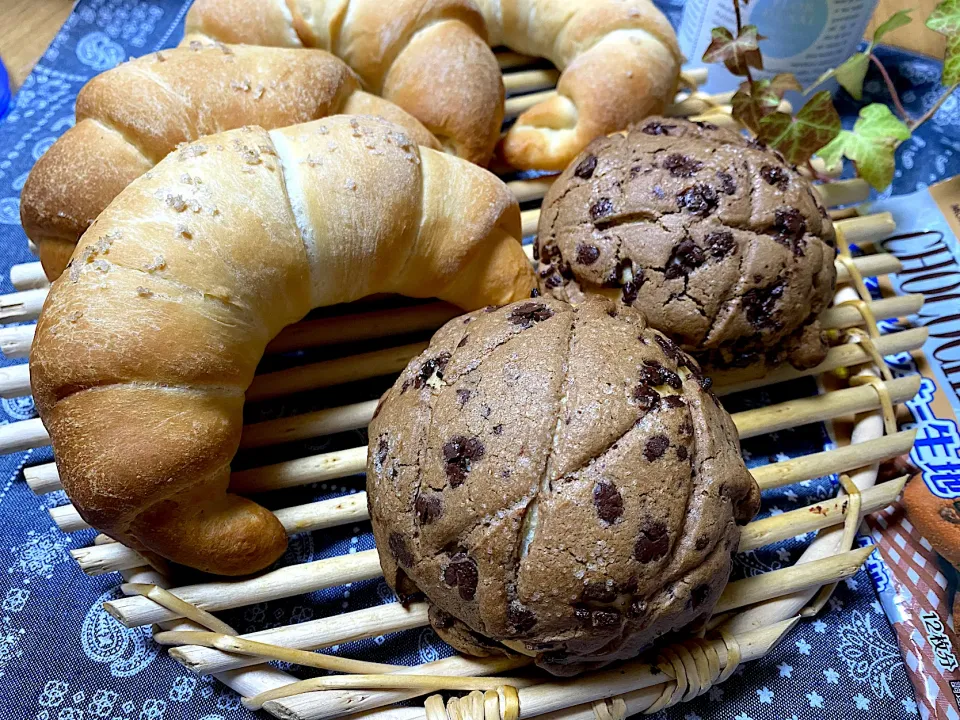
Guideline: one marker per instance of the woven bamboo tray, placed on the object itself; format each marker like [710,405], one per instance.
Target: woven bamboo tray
[751,616]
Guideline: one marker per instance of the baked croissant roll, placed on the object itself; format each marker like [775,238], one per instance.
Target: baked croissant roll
[147,343]
[430,57]
[131,117]
[619,59]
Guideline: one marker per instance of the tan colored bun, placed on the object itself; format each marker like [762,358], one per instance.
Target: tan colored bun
[130,117]
[430,57]
[220,246]
[619,60]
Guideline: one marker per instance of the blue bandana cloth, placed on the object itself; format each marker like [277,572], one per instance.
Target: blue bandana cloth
[63,658]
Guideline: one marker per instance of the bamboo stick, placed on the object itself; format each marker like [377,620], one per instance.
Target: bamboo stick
[23,434]
[536,189]
[28,276]
[843,192]
[21,306]
[795,413]
[546,697]
[697,103]
[302,471]
[897,306]
[814,517]
[308,425]
[332,372]
[15,340]
[525,81]
[43,479]
[507,59]
[311,635]
[842,459]
[846,355]
[866,229]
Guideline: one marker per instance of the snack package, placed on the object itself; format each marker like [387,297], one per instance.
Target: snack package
[916,536]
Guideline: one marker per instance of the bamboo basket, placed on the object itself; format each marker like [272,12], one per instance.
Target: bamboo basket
[752,615]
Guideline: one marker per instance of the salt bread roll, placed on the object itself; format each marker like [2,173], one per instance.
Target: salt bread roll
[131,117]
[147,343]
[430,57]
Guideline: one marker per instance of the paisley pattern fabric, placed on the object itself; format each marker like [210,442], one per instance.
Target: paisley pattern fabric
[63,658]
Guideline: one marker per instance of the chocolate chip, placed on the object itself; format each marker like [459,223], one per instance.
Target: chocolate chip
[404,387]
[706,125]
[790,227]
[656,447]
[720,244]
[685,256]
[668,346]
[535,293]
[581,614]
[459,455]
[433,367]
[638,608]
[519,618]
[950,513]
[381,457]
[599,592]
[652,543]
[655,127]
[646,398]
[756,144]
[776,176]
[551,282]
[601,208]
[631,288]
[699,594]
[399,550]
[428,508]
[681,453]
[498,429]
[608,502]
[528,313]
[653,373]
[698,199]
[682,166]
[586,167]
[463,396]
[492,308]
[587,254]
[760,304]
[604,618]
[728,186]
[686,427]
[702,542]
[463,341]
[674,401]
[462,574]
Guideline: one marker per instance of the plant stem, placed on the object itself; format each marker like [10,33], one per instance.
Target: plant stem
[892,90]
[933,110]
[736,9]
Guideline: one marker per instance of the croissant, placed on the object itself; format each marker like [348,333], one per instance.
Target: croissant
[147,343]
[619,60]
[130,117]
[430,57]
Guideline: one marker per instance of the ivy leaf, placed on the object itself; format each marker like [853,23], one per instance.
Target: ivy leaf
[871,145]
[851,73]
[945,19]
[894,22]
[737,53]
[753,102]
[798,138]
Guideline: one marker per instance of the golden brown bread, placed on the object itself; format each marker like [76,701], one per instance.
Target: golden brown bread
[219,247]
[430,57]
[130,117]
[619,60]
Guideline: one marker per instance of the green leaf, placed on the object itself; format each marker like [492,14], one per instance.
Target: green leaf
[832,152]
[737,53]
[753,102]
[851,73]
[871,145]
[894,22]
[945,19]
[798,138]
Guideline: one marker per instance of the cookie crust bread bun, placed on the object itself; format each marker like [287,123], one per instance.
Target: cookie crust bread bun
[148,342]
[558,481]
[132,116]
[722,245]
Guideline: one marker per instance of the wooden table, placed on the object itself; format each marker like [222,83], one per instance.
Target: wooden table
[28,26]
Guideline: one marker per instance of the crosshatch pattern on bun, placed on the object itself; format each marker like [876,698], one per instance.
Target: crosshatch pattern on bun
[558,478]
[714,237]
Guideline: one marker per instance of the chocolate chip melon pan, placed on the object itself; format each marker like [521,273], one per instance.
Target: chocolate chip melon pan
[287,454]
